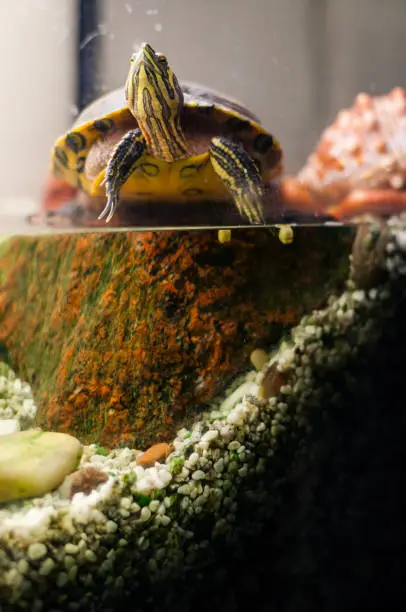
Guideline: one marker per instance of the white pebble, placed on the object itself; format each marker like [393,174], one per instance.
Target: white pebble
[119,582]
[73,573]
[143,485]
[243,471]
[90,556]
[401,240]
[227,433]
[139,471]
[165,476]
[219,465]
[234,445]
[62,579]
[204,462]
[167,502]
[69,562]
[200,501]
[358,295]
[198,475]
[238,415]
[125,503]
[98,459]
[23,566]
[37,551]
[193,459]
[47,567]
[111,527]
[145,514]
[210,435]
[185,503]
[71,549]
[154,505]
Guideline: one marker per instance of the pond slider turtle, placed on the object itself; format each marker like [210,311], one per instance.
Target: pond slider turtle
[169,143]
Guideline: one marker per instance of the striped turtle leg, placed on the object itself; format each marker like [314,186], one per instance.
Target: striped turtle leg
[240,176]
[121,165]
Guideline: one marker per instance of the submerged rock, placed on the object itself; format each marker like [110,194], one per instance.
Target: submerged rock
[125,338]
[34,462]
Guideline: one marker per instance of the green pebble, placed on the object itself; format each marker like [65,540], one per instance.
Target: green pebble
[176,465]
[142,500]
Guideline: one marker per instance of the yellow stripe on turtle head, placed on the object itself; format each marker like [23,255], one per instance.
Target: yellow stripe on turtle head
[155,98]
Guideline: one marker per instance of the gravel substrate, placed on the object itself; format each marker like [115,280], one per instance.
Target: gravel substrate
[16,401]
[143,526]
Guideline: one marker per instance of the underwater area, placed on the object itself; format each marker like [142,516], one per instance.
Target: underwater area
[202,298]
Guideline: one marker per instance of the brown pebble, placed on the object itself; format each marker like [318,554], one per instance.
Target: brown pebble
[271,382]
[82,481]
[156,452]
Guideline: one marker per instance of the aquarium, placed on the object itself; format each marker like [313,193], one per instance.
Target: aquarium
[202,288]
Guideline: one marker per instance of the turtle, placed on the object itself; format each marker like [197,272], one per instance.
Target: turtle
[170,142]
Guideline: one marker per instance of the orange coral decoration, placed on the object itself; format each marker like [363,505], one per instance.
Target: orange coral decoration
[359,165]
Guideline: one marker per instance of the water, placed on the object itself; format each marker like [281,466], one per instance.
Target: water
[195,407]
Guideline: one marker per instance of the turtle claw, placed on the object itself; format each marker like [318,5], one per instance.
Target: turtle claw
[110,208]
[254,212]
[121,164]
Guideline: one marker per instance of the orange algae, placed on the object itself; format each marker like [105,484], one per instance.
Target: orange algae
[124,337]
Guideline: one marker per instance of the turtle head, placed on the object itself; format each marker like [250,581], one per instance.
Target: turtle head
[155,98]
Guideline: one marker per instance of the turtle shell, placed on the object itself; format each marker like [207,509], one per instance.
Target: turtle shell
[80,156]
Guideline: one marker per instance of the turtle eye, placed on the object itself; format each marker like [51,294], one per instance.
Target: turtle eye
[162,60]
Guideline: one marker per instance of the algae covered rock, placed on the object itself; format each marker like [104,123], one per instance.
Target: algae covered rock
[34,462]
[126,337]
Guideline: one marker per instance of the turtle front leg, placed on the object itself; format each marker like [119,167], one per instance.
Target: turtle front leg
[240,176]
[121,164]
